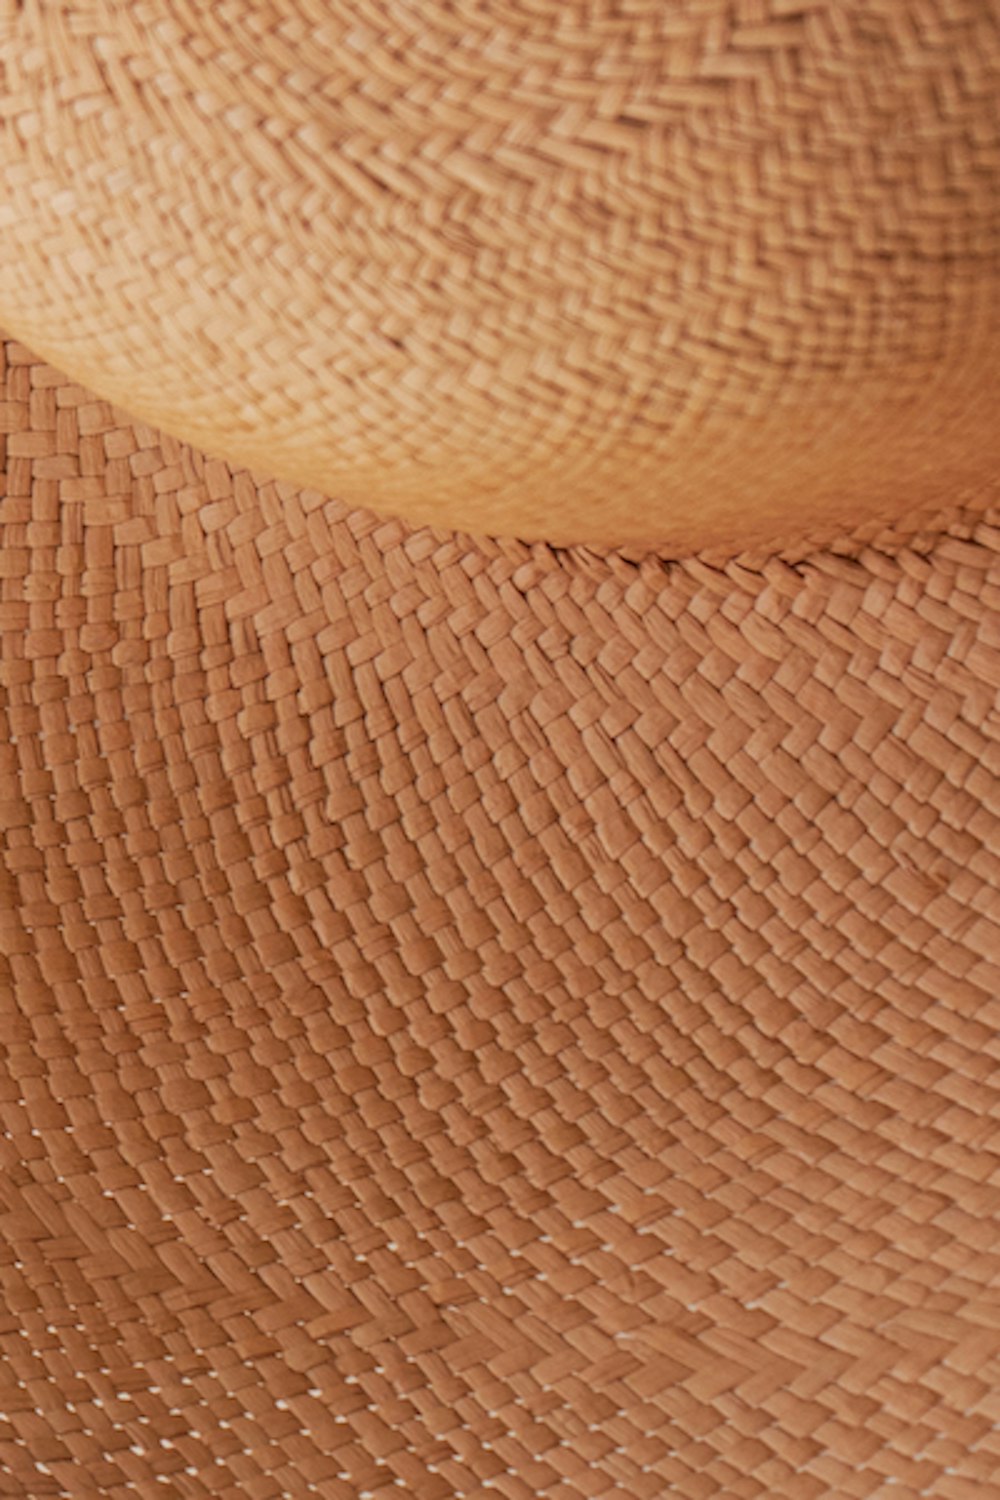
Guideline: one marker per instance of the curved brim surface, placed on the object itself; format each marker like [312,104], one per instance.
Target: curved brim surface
[482,1019]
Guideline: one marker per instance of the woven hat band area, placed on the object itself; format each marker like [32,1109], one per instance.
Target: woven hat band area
[479,1018]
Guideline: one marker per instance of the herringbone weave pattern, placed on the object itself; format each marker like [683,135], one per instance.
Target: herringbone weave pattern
[663,272]
[480,1019]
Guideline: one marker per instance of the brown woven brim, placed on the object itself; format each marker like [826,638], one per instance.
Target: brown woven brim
[482,1019]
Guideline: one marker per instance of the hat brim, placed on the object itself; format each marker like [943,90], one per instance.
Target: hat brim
[481,1018]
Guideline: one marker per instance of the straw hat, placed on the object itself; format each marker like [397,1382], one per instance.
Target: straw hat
[487,1011]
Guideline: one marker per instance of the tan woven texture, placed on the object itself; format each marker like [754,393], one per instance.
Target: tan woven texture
[480,1018]
[716,271]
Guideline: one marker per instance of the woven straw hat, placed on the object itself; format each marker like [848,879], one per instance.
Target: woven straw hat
[499,980]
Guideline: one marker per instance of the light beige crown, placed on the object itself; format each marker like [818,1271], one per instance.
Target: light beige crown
[688,273]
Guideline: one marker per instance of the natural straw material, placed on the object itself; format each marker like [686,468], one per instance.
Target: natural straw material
[665,272]
[480,1019]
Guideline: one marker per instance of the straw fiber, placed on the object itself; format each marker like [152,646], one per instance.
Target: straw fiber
[499,1017]
[581,271]
[486,1019]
